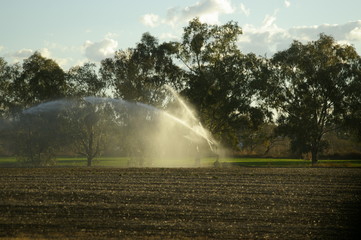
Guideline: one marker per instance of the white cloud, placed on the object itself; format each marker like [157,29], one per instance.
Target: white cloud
[45,52]
[348,31]
[111,35]
[287,3]
[168,36]
[97,51]
[269,38]
[56,46]
[245,11]
[24,53]
[269,21]
[263,40]
[21,54]
[355,34]
[63,62]
[80,62]
[208,11]
[150,20]
[1,48]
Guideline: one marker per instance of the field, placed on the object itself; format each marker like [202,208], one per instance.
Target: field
[121,162]
[179,203]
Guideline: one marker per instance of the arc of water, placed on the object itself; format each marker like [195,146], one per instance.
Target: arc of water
[58,104]
[191,114]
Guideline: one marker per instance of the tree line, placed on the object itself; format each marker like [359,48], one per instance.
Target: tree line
[302,94]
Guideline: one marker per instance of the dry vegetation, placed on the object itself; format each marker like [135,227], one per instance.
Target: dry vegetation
[232,203]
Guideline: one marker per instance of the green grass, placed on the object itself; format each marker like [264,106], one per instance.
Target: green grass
[274,162]
[242,162]
[103,161]
[264,162]
[8,162]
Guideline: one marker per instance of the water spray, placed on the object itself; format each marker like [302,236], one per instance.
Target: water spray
[151,138]
[201,132]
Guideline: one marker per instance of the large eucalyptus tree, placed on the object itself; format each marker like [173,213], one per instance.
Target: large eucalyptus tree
[139,74]
[310,90]
[219,79]
[41,79]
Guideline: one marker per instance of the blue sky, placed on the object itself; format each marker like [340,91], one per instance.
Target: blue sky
[76,31]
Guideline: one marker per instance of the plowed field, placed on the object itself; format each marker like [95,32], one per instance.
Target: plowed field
[202,203]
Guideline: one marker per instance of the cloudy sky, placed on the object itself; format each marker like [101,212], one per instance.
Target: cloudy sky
[76,31]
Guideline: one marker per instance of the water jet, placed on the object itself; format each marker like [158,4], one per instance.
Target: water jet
[148,136]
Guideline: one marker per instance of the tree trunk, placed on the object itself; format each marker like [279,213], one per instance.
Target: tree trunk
[89,158]
[90,148]
[314,155]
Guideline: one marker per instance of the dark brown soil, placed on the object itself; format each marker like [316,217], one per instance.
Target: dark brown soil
[232,203]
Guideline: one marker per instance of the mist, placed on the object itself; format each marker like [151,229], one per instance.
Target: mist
[92,127]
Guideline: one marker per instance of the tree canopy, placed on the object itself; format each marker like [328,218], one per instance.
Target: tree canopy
[41,80]
[139,74]
[218,78]
[311,89]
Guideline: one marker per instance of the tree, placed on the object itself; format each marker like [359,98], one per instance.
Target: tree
[4,86]
[84,81]
[309,87]
[139,74]
[87,125]
[41,80]
[219,79]
[34,137]
[260,141]
[353,98]
[8,74]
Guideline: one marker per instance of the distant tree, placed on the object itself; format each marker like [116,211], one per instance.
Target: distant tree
[139,74]
[41,80]
[87,126]
[84,81]
[309,87]
[219,79]
[8,74]
[34,138]
[260,141]
[353,98]
[5,82]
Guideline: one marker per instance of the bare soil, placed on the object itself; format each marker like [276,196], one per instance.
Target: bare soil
[153,203]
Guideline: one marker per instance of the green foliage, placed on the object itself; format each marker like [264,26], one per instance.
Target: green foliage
[353,100]
[86,127]
[139,74]
[35,138]
[218,79]
[8,75]
[4,85]
[310,88]
[84,81]
[41,80]
[315,88]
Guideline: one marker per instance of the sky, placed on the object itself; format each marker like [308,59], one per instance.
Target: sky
[73,32]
